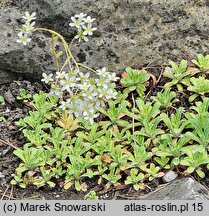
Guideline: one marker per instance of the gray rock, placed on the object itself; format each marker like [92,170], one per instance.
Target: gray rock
[169,176]
[181,189]
[130,33]
[1,175]
[8,96]
[16,59]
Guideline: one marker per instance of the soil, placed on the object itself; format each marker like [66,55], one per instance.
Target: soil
[10,137]
[14,109]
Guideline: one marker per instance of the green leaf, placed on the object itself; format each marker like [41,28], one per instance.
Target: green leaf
[202,62]
[1,99]
[122,123]
[190,169]
[176,161]
[200,173]
[134,80]
[136,187]
[51,184]
[180,88]
[193,97]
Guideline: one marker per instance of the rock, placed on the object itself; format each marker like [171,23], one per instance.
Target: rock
[16,59]
[181,189]
[169,176]
[130,33]
[1,175]
[8,96]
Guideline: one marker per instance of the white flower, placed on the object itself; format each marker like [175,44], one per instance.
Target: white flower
[111,94]
[76,23]
[89,95]
[104,83]
[112,85]
[87,110]
[81,104]
[102,103]
[88,20]
[102,72]
[23,38]
[84,86]
[28,26]
[102,92]
[83,76]
[74,108]
[29,17]
[90,116]
[80,16]
[61,75]
[64,105]
[56,91]
[88,30]
[67,84]
[81,36]
[97,104]
[113,77]
[47,78]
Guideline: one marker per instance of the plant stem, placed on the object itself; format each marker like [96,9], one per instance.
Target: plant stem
[133,120]
[54,53]
[64,43]
[84,66]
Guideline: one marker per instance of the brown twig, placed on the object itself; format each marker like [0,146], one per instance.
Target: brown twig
[161,73]
[113,189]
[11,192]
[8,161]
[4,194]
[8,143]
[11,198]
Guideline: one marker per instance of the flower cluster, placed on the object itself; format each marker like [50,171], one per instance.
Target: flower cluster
[83,23]
[27,28]
[81,94]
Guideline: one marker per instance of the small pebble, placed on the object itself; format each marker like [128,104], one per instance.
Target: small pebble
[8,96]
[169,176]
[1,175]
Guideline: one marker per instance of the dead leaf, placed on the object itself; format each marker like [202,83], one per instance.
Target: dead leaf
[142,186]
[160,174]
[67,122]
[193,70]
[121,115]
[124,74]
[84,187]
[127,172]
[12,127]
[154,141]
[153,78]
[74,125]
[68,185]
[124,150]
[105,158]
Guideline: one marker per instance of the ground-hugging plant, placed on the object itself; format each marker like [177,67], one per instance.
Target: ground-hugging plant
[178,74]
[166,98]
[200,86]
[135,80]
[78,92]
[130,138]
[175,123]
[202,62]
